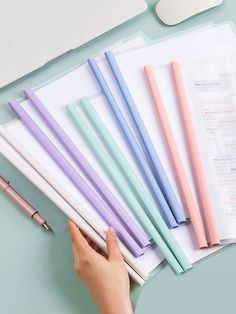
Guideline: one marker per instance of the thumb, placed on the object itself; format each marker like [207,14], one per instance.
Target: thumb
[113,245]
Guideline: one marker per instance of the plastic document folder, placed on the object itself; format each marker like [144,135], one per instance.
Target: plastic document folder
[45,173]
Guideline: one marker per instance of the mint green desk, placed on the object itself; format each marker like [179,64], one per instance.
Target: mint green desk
[36,268]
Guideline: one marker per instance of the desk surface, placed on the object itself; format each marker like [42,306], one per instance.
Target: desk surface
[36,268]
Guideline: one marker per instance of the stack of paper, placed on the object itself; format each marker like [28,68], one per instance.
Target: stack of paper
[142,139]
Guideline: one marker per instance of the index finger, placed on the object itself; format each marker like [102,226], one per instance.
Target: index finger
[77,238]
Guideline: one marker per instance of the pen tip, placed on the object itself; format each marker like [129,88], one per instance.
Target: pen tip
[47,227]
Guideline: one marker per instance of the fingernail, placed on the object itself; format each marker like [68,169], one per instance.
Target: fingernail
[112,231]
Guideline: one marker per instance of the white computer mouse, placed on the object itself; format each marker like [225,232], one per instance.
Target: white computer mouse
[172,12]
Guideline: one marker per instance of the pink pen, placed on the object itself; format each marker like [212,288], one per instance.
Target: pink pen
[17,199]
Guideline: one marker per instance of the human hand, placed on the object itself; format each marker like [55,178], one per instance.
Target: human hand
[105,277]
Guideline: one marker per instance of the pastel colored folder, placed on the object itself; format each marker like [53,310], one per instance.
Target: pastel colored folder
[147,144]
[194,154]
[193,210]
[102,155]
[89,171]
[134,146]
[78,181]
[79,82]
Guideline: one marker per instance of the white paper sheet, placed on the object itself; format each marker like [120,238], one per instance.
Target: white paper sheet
[211,89]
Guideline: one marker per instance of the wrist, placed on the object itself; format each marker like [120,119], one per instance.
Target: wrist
[124,307]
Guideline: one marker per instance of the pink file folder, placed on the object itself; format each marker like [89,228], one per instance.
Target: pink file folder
[201,185]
